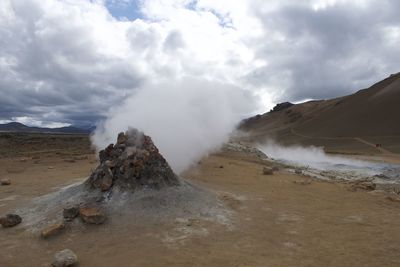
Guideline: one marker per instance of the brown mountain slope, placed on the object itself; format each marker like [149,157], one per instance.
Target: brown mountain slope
[372,114]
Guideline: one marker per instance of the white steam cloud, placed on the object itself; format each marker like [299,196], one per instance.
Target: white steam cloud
[186,119]
[311,156]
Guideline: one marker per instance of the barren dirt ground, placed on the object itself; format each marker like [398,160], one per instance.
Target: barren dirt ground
[276,220]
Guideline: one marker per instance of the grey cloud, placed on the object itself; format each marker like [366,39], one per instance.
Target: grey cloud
[327,52]
[54,67]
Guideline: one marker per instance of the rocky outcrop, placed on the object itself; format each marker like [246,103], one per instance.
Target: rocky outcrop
[281,106]
[133,163]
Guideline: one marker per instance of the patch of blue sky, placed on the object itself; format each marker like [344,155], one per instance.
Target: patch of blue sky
[124,9]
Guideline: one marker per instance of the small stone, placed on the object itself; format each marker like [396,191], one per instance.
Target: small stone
[393,198]
[107,180]
[221,167]
[363,185]
[5,181]
[10,220]
[65,258]
[298,171]
[52,230]
[70,213]
[268,171]
[92,215]
[302,182]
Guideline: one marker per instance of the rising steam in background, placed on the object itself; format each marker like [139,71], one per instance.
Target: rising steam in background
[316,161]
[311,156]
[186,119]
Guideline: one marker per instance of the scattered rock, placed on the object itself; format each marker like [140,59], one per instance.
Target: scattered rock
[65,258]
[92,215]
[363,185]
[268,171]
[5,181]
[70,213]
[275,168]
[52,230]
[69,160]
[80,157]
[10,220]
[50,167]
[133,163]
[221,166]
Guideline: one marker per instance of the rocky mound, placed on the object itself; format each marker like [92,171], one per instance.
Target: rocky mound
[281,106]
[133,163]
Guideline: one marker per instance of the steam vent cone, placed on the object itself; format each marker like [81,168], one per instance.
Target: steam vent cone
[133,163]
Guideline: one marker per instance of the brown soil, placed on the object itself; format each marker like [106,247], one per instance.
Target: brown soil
[353,123]
[277,221]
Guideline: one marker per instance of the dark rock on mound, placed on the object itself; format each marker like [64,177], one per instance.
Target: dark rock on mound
[133,163]
[281,106]
[70,213]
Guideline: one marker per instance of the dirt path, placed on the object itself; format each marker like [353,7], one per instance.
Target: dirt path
[384,151]
[358,139]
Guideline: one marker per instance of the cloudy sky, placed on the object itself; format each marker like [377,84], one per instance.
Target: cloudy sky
[72,61]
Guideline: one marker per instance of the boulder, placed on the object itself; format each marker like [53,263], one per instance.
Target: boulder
[5,181]
[268,171]
[10,220]
[52,230]
[70,213]
[92,215]
[65,258]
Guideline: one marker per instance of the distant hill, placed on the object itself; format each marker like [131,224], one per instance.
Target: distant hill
[22,128]
[372,113]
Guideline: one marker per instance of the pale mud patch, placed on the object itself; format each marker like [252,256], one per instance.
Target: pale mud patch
[9,198]
[234,202]
[288,218]
[185,229]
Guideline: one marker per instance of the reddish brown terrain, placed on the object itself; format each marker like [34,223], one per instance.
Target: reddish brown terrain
[348,124]
[284,219]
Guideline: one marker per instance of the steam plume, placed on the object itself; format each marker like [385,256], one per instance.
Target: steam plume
[186,118]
